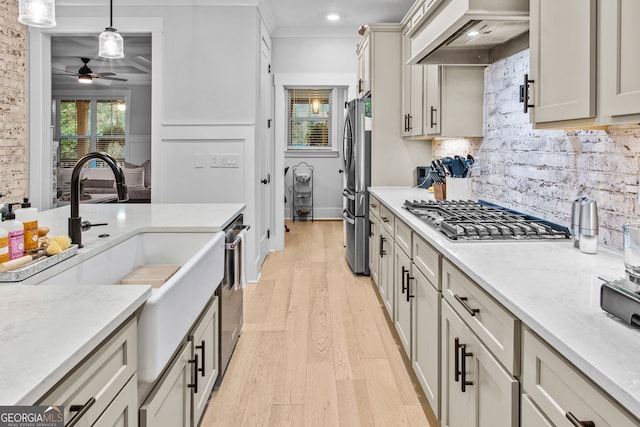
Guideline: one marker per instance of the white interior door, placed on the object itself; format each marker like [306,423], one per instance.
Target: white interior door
[264,149]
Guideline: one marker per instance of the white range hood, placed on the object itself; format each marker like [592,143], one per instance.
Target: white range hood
[464,31]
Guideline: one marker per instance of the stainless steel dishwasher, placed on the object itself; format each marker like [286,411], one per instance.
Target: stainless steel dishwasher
[231,294]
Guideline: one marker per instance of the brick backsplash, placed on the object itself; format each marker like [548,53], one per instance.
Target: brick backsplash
[13,104]
[542,171]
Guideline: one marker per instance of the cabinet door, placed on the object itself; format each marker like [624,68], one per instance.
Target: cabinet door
[417,88]
[374,247]
[123,410]
[402,318]
[619,56]
[205,345]
[563,59]
[483,393]
[458,408]
[170,403]
[530,415]
[432,100]
[364,66]
[425,337]
[385,286]
[406,86]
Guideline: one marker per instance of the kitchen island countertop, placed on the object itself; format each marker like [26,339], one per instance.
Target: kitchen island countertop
[553,288]
[46,330]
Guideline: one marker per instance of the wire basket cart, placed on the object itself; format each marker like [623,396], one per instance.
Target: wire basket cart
[302,191]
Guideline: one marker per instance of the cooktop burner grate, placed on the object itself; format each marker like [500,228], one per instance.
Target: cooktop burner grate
[483,221]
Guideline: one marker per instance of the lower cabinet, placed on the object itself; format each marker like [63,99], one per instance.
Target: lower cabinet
[425,337]
[102,386]
[181,395]
[374,247]
[476,389]
[530,415]
[123,410]
[402,317]
[386,272]
[562,395]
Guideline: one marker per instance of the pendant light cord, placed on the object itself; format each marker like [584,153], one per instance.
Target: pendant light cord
[111,13]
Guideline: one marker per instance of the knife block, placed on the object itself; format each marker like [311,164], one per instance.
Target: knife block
[439,191]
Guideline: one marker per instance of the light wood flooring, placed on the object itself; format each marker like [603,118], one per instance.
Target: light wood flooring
[316,348]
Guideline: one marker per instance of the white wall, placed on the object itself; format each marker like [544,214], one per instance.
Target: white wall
[313,61]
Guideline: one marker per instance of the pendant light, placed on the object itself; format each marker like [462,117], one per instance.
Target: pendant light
[37,13]
[111,44]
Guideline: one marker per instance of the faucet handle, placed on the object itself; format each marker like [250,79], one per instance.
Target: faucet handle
[86,225]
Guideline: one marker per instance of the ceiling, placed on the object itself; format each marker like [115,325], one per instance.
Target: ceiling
[287,18]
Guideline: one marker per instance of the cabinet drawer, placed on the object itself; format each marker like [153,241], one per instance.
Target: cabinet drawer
[374,206]
[403,237]
[387,220]
[498,329]
[100,377]
[559,390]
[530,415]
[427,260]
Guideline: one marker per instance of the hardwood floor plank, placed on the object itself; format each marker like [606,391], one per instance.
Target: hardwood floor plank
[320,344]
[254,299]
[286,416]
[388,409]
[354,407]
[321,408]
[369,341]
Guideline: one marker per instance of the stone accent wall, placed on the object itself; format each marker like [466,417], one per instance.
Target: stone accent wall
[13,104]
[541,172]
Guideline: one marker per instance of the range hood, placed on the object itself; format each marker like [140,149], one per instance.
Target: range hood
[465,31]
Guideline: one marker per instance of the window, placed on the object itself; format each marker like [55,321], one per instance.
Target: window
[85,125]
[309,115]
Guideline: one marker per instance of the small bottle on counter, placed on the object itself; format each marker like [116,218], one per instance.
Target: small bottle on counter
[15,230]
[4,245]
[29,218]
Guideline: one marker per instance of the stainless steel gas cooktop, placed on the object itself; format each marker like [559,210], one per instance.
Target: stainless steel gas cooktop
[483,221]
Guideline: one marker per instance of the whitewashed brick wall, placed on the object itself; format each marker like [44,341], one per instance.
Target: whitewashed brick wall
[13,104]
[542,172]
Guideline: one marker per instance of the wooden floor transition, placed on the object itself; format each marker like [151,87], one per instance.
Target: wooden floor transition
[316,348]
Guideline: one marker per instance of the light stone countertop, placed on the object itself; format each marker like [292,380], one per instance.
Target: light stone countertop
[46,330]
[554,289]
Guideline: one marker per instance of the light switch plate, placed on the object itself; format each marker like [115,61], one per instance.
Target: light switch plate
[215,160]
[199,160]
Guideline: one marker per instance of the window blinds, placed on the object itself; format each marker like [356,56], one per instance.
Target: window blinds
[309,117]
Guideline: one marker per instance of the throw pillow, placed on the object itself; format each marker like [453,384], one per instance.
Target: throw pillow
[134,178]
[99,183]
[147,170]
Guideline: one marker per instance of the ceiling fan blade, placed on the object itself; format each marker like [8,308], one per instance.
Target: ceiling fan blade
[100,75]
[113,78]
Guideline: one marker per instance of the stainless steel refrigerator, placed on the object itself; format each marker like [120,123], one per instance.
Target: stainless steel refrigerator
[357,167]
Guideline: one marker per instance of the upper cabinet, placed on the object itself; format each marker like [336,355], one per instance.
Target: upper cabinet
[364,66]
[584,66]
[562,60]
[438,101]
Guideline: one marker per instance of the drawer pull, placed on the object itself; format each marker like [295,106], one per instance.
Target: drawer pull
[405,273]
[194,386]
[463,381]
[385,219]
[463,301]
[382,251]
[374,206]
[81,411]
[576,422]
[409,296]
[456,359]
[201,347]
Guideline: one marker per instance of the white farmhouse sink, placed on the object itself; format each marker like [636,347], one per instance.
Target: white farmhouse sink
[173,307]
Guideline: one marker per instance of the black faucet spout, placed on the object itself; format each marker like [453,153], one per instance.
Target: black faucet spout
[75,221]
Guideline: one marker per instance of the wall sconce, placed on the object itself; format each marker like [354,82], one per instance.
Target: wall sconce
[37,13]
[111,44]
[315,106]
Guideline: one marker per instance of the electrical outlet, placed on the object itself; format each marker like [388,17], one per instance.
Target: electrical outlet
[230,160]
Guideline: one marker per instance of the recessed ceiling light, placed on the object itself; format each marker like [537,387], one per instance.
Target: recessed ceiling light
[333,17]
[473,33]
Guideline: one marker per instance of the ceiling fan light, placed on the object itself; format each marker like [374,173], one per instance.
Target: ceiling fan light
[85,79]
[111,44]
[37,13]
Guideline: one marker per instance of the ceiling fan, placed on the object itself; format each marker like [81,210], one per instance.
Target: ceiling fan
[86,75]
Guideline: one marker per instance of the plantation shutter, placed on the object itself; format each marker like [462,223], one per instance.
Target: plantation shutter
[309,117]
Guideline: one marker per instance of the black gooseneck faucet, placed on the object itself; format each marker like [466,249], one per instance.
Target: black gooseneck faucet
[75,221]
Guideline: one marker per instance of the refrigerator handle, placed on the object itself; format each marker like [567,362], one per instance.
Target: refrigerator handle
[348,217]
[348,194]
